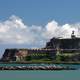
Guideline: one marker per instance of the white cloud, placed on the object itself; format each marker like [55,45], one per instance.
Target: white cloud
[14,31]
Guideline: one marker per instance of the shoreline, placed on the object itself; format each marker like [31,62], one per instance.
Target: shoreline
[39,62]
[36,68]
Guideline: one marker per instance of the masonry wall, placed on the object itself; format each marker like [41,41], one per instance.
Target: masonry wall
[28,54]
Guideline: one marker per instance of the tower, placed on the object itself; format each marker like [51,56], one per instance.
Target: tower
[72,35]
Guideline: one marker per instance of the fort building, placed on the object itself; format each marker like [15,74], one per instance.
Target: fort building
[56,46]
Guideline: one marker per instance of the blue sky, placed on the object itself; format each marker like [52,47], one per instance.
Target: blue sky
[39,12]
[31,23]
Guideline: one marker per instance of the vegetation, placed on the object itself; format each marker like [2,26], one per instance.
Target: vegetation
[67,57]
[28,58]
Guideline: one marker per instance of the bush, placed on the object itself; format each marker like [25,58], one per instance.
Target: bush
[28,58]
[58,58]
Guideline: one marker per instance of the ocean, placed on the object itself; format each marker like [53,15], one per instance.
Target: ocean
[40,74]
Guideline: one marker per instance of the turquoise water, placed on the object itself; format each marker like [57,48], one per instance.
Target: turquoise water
[64,65]
[40,75]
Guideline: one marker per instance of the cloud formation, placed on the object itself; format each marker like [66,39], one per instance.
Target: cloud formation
[14,31]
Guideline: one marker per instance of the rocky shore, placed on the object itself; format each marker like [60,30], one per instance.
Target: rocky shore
[35,68]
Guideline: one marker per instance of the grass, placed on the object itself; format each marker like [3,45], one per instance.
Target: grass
[40,62]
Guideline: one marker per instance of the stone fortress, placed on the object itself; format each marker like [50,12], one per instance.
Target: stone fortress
[66,48]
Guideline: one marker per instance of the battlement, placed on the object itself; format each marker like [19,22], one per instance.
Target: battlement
[53,47]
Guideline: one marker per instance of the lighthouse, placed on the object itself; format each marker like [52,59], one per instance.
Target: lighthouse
[73,35]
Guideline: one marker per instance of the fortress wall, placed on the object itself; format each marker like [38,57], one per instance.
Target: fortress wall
[12,54]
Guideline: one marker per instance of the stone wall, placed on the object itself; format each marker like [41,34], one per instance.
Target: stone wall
[24,54]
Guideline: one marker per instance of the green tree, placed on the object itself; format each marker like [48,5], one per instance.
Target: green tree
[58,58]
[28,58]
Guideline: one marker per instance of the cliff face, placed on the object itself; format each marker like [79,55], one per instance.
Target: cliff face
[9,55]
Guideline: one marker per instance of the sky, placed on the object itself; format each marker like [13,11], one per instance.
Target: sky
[32,23]
[39,12]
